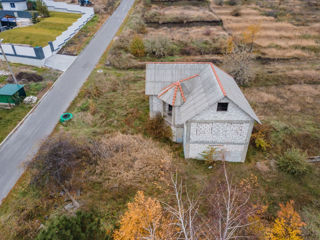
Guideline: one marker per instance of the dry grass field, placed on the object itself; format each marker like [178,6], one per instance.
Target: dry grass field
[179,14]
[275,39]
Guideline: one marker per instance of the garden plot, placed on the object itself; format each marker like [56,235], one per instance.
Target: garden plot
[276,39]
[191,33]
[180,15]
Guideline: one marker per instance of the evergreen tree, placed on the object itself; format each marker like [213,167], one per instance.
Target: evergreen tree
[82,226]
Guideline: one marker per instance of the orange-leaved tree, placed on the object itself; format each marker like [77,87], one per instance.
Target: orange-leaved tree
[287,225]
[144,219]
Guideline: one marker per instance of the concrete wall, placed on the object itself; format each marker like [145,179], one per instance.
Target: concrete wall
[19,6]
[36,55]
[87,14]
[229,132]
[155,106]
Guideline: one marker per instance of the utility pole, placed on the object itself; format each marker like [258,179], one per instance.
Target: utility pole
[5,57]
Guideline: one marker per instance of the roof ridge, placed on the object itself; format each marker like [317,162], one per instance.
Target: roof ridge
[210,63]
[218,80]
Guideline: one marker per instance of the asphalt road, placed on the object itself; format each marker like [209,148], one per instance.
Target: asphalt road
[25,141]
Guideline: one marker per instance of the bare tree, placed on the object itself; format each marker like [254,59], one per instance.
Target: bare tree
[238,63]
[230,210]
[58,163]
[185,212]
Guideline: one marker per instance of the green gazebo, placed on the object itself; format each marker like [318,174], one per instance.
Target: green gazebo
[11,94]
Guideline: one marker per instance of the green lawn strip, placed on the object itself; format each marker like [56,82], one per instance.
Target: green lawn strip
[9,118]
[41,33]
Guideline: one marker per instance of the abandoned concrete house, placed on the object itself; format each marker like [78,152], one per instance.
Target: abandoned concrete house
[204,107]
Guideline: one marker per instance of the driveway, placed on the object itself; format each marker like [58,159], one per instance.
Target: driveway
[25,141]
[59,61]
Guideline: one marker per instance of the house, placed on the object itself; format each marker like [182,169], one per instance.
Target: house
[11,95]
[204,107]
[14,5]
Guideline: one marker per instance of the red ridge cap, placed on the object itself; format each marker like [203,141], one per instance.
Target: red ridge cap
[176,85]
[218,80]
[212,67]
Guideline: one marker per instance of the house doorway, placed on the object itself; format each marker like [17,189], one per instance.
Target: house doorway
[167,112]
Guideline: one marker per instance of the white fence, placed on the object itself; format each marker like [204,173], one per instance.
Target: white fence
[25,54]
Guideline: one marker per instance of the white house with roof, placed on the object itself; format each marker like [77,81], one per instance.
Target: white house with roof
[14,5]
[204,107]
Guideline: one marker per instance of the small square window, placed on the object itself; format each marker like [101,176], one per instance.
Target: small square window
[222,107]
[12,5]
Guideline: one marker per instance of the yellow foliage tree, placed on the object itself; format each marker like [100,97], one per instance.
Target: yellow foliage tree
[230,45]
[287,225]
[144,219]
[250,34]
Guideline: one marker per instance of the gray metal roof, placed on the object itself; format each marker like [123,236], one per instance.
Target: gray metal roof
[212,85]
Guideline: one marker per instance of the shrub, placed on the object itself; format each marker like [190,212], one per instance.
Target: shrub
[188,50]
[147,3]
[208,47]
[111,5]
[137,24]
[260,137]
[293,162]
[210,155]
[160,47]
[157,128]
[121,43]
[236,12]
[121,60]
[232,2]
[42,9]
[238,63]
[34,18]
[218,2]
[137,47]
[58,160]
[82,226]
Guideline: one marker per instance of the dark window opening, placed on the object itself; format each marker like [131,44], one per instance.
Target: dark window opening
[12,5]
[222,107]
[170,110]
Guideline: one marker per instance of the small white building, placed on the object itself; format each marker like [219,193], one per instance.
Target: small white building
[14,5]
[204,107]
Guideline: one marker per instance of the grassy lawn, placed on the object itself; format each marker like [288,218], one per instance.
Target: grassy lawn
[41,33]
[9,118]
